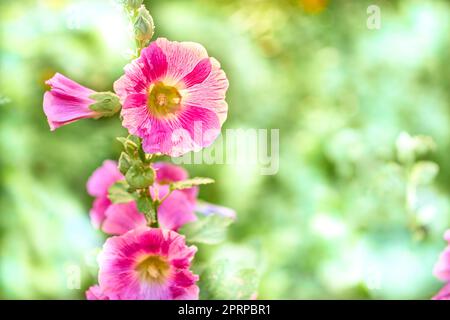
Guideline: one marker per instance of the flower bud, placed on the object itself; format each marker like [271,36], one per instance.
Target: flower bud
[144,27]
[124,163]
[107,103]
[140,177]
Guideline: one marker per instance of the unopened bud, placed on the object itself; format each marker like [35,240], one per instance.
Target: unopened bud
[144,27]
[107,103]
[124,163]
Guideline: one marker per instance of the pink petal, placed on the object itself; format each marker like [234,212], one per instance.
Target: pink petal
[193,128]
[444,293]
[96,293]
[103,178]
[176,211]
[97,213]
[182,57]
[121,218]
[198,74]
[210,93]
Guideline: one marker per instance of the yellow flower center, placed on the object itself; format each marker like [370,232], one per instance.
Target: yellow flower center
[163,100]
[154,269]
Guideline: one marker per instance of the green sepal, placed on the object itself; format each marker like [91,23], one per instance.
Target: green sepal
[107,103]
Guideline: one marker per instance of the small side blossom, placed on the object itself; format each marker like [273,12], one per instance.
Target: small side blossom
[173,97]
[98,185]
[68,101]
[147,264]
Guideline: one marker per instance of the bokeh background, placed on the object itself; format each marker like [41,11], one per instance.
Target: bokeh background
[362,196]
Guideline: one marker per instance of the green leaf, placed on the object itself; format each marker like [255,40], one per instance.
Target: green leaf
[207,229]
[226,280]
[189,183]
[119,193]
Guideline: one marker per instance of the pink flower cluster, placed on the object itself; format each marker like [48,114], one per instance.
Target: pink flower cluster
[173,98]
[442,270]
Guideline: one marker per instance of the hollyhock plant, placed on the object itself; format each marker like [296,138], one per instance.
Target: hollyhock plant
[68,101]
[98,185]
[147,263]
[173,97]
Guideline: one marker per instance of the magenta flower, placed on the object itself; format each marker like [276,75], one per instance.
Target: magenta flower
[67,101]
[98,185]
[442,267]
[147,264]
[173,97]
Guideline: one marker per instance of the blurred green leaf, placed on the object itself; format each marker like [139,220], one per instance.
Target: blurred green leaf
[189,183]
[207,229]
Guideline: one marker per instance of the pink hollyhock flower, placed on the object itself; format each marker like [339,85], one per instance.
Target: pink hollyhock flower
[444,294]
[147,264]
[442,267]
[96,293]
[98,185]
[173,97]
[67,101]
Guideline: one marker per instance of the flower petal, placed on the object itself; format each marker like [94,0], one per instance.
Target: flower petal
[121,218]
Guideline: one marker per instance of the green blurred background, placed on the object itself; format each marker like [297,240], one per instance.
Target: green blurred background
[357,209]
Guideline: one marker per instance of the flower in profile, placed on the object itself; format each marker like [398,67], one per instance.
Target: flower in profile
[147,264]
[68,101]
[173,97]
[442,267]
[98,185]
